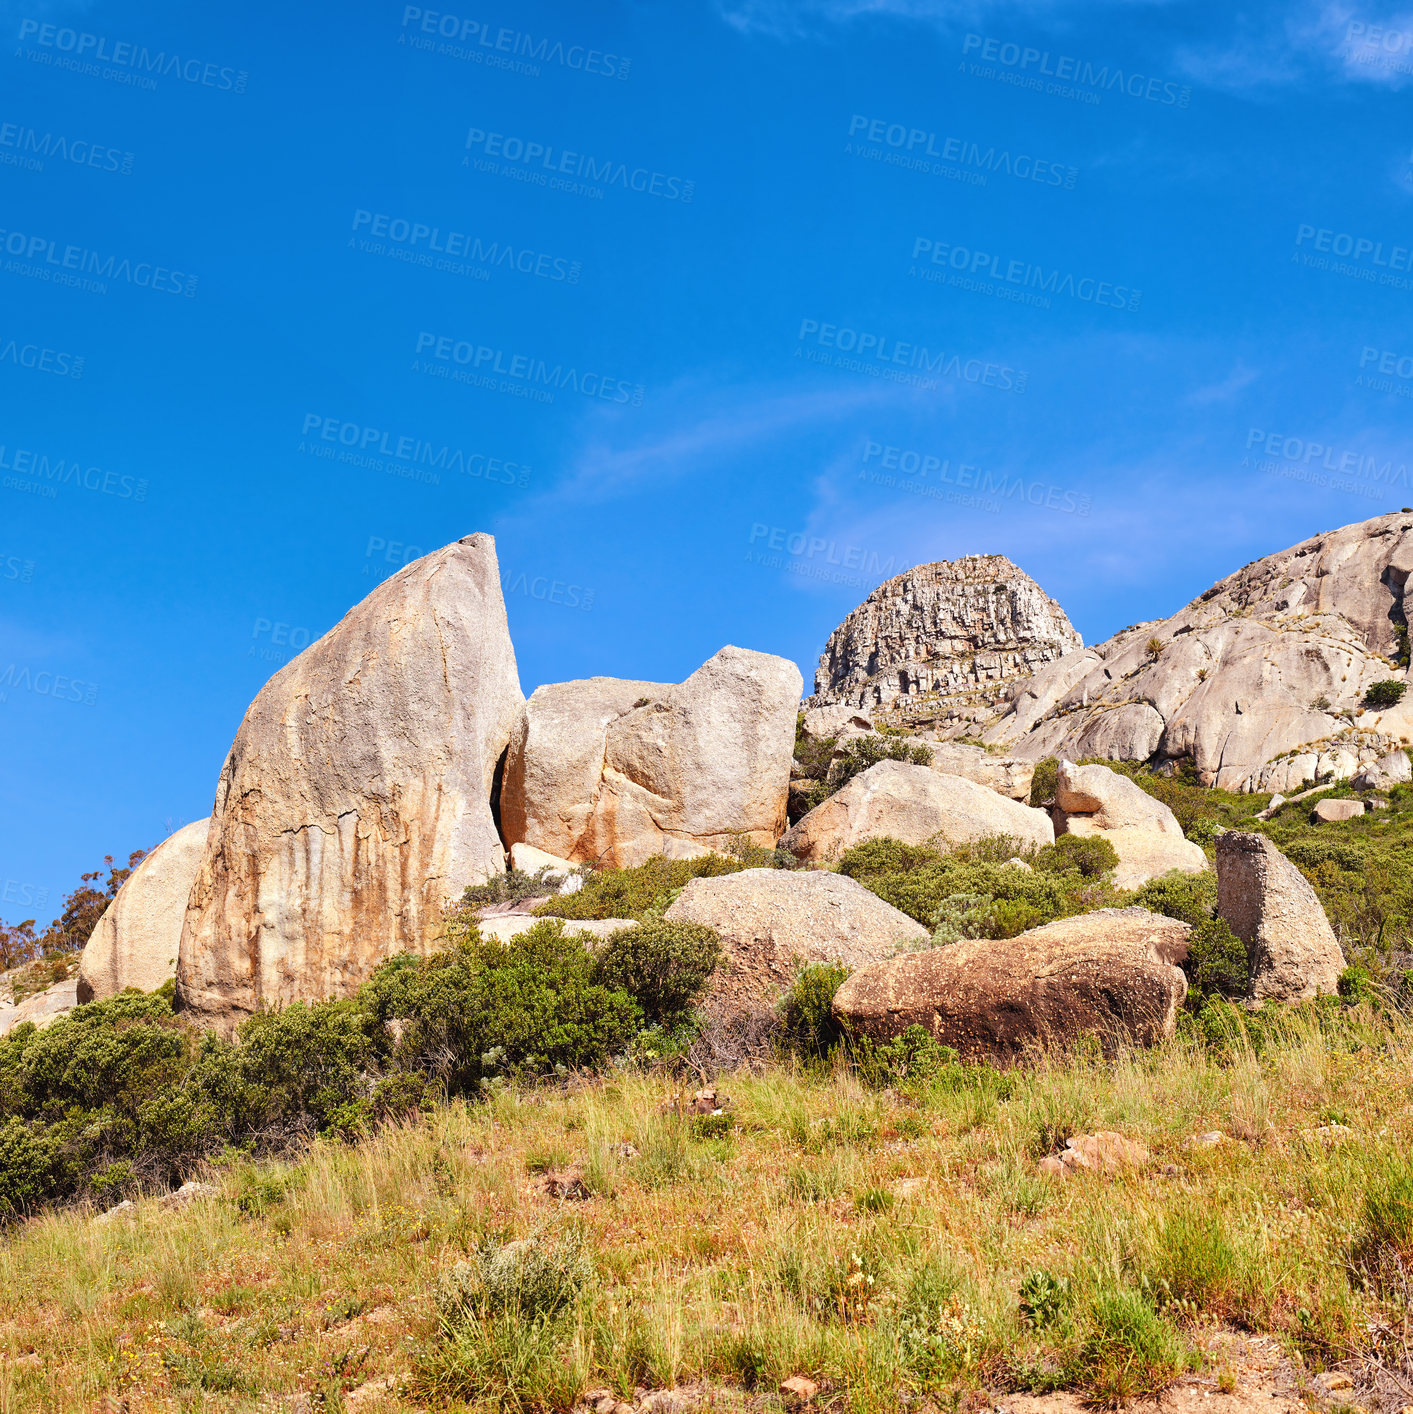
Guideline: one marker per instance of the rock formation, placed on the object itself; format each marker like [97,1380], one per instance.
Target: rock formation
[135,942]
[1269,904]
[773,920]
[948,639]
[1388,771]
[912,804]
[1005,774]
[620,771]
[355,801]
[1113,974]
[1145,834]
[1271,662]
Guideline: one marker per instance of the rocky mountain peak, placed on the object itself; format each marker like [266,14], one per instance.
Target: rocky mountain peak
[943,641]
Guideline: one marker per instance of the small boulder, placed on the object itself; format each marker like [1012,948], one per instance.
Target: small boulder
[42,1008]
[772,920]
[1269,904]
[1113,974]
[1102,1152]
[135,942]
[1395,769]
[1004,774]
[830,723]
[912,804]
[799,1388]
[1145,834]
[1330,810]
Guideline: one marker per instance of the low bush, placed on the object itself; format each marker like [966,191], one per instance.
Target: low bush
[807,1024]
[858,754]
[663,965]
[1191,898]
[646,890]
[1088,855]
[1217,960]
[122,1094]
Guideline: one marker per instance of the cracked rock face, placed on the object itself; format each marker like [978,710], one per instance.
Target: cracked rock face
[1274,659]
[355,801]
[958,627]
[610,769]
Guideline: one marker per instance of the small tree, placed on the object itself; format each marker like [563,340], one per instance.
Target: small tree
[1388,693]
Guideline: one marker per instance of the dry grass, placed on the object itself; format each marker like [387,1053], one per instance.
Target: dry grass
[882,1244]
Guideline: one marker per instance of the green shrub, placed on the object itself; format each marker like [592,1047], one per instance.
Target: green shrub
[663,965]
[1388,693]
[1217,960]
[1089,855]
[861,752]
[530,1006]
[644,891]
[1045,783]
[1191,898]
[1356,984]
[1130,1351]
[534,1277]
[885,856]
[807,1023]
[1043,1299]
[962,916]
[513,886]
[27,1158]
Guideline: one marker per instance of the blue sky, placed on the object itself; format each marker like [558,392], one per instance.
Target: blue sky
[715,314]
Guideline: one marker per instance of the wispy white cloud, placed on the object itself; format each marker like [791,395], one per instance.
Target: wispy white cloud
[1226,389]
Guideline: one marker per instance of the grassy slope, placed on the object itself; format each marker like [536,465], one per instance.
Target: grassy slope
[742,1259]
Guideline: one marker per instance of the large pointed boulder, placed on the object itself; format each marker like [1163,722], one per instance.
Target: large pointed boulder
[356,799]
[1269,904]
[620,771]
[135,942]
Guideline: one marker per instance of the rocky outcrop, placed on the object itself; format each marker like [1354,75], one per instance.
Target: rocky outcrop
[1268,903]
[605,769]
[135,942]
[1271,662]
[1393,769]
[42,1008]
[1145,834]
[912,804]
[771,921]
[1114,974]
[943,638]
[355,802]
[1005,774]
